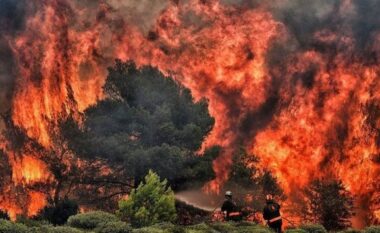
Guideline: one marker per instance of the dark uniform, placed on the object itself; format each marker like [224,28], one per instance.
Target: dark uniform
[232,212]
[271,214]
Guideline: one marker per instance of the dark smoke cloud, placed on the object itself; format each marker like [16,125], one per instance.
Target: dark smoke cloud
[143,12]
[12,19]
[367,21]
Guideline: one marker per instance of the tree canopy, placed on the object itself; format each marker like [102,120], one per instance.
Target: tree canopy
[147,122]
[329,203]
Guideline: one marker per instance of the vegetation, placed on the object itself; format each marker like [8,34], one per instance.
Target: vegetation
[151,203]
[295,231]
[91,220]
[10,227]
[148,121]
[59,213]
[328,203]
[4,215]
[113,225]
[246,179]
[372,229]
[313,228]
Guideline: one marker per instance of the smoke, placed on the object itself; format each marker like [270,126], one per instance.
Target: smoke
[142,13]
[199,199]
[12,18]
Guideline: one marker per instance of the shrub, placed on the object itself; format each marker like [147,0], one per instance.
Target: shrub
[200,228]
[350,230]
[169,228]
[152,202]
[297,230]
[161,228]
[91,220]
[177,229]
[51,229]
[59,213]
[30,222]
[245,224]
[62,229]
[4,215]
[40,229]
[113,227]
[372,229]
[239,227]
[223,227]
[149,230]
[252,229]
[313,228]
[10,227]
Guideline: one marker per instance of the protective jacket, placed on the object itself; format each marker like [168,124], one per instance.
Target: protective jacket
[230,208]
[271,214]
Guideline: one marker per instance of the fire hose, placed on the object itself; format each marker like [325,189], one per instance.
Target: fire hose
[292,224]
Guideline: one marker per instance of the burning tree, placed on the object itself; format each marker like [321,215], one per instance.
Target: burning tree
[328,203]
[149,122]
[251,182]
[293,81]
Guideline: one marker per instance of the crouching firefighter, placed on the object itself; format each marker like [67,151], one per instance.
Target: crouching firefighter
[271,214]
[229,209]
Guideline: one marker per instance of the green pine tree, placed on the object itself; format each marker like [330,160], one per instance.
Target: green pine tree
[329,203]
[152,202]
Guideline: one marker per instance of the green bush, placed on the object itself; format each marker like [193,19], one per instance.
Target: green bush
[372,229]
[40,229]
[200,228]
[252,229]
[239,227]
[30,222]
[52,229]
[63,229]
[169,227]
[350,230]
[313,228]
[152,202]
[223,227]
[113,227]
[245,224]
[161,228]
[10,227]
[297,230]
[91,220]
[149,230]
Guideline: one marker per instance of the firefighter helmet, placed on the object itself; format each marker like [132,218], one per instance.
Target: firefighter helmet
[229,193]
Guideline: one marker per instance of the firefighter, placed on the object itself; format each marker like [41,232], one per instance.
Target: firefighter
[271,214]
[230,209]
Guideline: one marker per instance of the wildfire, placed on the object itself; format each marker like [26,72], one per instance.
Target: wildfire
[29,170]
[311,113]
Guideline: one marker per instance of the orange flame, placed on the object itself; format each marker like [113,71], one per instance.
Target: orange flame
[29,170]
[301,129]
